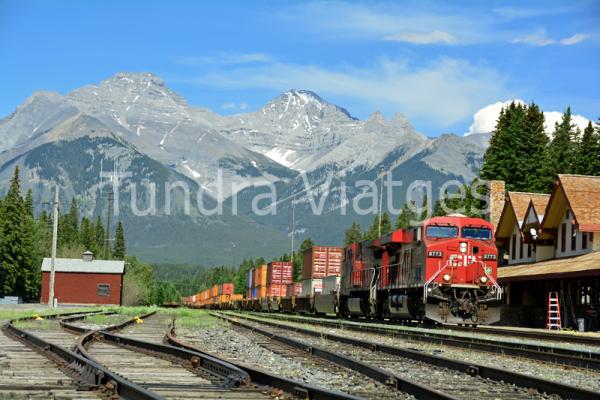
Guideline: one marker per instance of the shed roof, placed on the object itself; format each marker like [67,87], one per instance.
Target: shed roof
[585,265]
[81,266]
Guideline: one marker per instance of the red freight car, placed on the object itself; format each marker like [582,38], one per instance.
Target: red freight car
[444,270]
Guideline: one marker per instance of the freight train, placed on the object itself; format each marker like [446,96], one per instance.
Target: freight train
[443,270]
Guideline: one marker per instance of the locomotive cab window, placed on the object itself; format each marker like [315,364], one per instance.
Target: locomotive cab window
[442,231]
[103,289]
[470,232]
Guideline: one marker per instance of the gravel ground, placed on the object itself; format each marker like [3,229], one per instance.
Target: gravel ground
[564,374]
[449,381]
[244,347]
[562,344]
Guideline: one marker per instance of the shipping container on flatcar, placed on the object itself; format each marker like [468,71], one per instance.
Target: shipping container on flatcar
[321,261]
[280,273]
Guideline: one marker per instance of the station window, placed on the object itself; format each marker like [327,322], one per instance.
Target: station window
[520,247]
[573,238]
[513,250]
[103,289]
[529,250]
[584,240]
[563,237]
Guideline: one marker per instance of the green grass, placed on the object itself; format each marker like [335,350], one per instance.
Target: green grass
[196,319]
[43,325]
[106,319]
[8,313]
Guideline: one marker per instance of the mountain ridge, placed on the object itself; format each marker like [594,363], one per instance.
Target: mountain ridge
[294,134]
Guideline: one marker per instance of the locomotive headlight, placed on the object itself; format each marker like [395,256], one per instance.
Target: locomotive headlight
[463,247]
[446,278]
[483,279]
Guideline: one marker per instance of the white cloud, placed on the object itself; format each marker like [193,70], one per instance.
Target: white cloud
[235,106]
[552,117]
[576,38]
[223,58]
[445,92]
[405,23]
[423,38]
[484,120]
[540,38]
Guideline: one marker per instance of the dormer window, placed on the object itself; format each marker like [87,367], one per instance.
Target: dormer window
[568,214]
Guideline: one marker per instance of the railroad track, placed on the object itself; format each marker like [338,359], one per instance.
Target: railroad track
[171,372]
[25,374]
[509,384]
[539,352]
[299,365]
[159,371]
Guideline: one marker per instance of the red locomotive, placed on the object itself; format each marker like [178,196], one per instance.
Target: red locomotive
[444,270]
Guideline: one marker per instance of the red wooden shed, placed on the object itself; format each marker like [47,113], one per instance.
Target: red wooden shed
[84,280]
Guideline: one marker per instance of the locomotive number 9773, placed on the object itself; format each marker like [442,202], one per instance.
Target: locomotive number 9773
[444,270]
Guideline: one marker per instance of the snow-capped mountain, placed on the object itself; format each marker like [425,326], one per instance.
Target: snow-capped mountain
[298,131]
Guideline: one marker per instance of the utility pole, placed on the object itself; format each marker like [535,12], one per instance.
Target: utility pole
[110,211]
[293,228]
[54,242]
[380,197]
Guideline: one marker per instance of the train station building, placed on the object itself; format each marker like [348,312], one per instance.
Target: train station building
[546,244]
[84,280]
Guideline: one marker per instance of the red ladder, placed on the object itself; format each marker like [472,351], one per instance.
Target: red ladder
[553,316]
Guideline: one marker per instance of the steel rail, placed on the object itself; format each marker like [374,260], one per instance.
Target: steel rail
[375,373]
[232,375]
[491,330]
[543,386]
[82,369]
[296,388]
[576,358]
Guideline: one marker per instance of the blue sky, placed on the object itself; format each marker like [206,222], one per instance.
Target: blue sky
[436,62]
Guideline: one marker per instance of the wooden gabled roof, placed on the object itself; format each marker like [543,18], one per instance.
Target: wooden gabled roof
[537,205]
[515,210]
[581,194]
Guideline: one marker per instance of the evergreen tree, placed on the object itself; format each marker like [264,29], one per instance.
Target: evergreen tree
[532,152]
[425,209]
[503,159]
[386,227]
[119,247]
[587,153]
[87,236]
[560,151]
[353,234]
[29,203]
[100,238]
[14,257]
[406,216]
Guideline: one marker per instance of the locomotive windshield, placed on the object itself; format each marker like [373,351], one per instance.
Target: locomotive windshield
[439,231]
[470,232]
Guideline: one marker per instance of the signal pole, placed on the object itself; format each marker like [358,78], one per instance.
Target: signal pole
[380,198]
[54,242]
[293,228]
